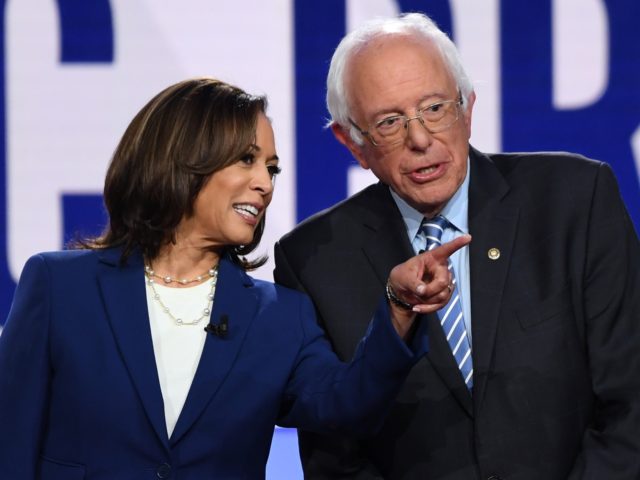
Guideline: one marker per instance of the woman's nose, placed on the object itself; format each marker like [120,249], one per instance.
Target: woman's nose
[263,180]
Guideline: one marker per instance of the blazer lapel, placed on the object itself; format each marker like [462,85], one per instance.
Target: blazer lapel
[234,299]
[390,246]
[123,291]
[492,223]
[443,362]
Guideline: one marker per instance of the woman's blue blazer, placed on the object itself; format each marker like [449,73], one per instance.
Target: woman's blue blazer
[79,390]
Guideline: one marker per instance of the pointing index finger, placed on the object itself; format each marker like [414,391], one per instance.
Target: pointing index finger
[445,250]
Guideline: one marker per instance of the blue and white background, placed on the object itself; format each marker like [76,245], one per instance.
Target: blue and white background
[549,75]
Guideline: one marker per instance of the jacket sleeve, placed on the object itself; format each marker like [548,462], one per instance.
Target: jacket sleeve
[611,296]
[328,455]
[25,373]
[324,394]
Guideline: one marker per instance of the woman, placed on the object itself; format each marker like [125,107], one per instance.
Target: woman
[151,353]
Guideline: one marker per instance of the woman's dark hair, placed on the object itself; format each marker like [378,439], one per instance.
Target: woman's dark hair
[174,144]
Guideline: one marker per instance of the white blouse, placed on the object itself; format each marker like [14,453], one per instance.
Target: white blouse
[177,348]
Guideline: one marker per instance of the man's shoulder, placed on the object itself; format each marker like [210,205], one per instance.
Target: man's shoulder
[534,170]
[544,162]
[368,203]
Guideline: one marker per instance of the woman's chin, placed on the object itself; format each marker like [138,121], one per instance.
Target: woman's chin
[238,242]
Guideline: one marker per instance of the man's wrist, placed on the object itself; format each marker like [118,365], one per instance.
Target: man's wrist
[393,298]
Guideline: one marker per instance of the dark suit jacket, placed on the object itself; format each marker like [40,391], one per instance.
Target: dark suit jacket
[79,390]
[555,322]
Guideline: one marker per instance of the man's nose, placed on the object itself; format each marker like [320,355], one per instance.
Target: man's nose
[418,136]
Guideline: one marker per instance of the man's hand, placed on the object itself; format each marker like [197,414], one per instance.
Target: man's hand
[423,284]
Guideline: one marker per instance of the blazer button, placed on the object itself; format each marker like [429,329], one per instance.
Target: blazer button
[164,471]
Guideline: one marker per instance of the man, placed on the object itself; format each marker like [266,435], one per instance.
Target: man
[548,290]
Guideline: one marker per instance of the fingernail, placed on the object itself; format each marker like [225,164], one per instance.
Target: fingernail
[416,309]
[420,289]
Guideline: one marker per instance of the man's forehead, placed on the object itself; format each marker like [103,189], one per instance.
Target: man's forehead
[388,64]
[378,44]
[382,56]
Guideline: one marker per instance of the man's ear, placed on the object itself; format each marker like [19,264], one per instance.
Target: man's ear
[344,137]
[468,113]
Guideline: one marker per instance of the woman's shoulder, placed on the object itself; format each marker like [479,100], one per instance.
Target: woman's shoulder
[285,309]
[66,256]
[270,296]
[274,291]
[68,261]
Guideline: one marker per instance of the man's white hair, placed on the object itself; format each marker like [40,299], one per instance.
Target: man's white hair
[411,24]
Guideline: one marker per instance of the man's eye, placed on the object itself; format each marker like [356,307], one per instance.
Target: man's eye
[435,108]
[389,122]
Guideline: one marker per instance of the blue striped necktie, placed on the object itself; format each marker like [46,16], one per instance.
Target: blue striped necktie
[450,315]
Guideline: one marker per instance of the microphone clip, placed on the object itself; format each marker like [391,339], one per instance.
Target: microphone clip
[221,329]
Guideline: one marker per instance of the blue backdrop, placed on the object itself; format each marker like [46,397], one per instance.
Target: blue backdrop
[528,119]
[530,49]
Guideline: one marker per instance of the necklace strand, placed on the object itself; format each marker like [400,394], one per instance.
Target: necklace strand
[212,273]
[183,281]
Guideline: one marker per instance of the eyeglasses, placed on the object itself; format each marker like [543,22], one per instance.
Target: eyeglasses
[392,130]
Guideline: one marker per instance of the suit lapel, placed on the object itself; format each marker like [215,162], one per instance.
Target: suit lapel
[236,299]
[390,246]
[492,223]
[123,292]
[444,364]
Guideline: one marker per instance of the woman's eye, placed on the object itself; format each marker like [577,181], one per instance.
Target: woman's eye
[248,159]
[273,170]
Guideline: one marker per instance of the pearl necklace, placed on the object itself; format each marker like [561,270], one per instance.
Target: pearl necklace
[212,273]
[184,281]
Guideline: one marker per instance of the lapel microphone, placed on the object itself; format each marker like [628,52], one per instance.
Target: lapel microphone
[221,329]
